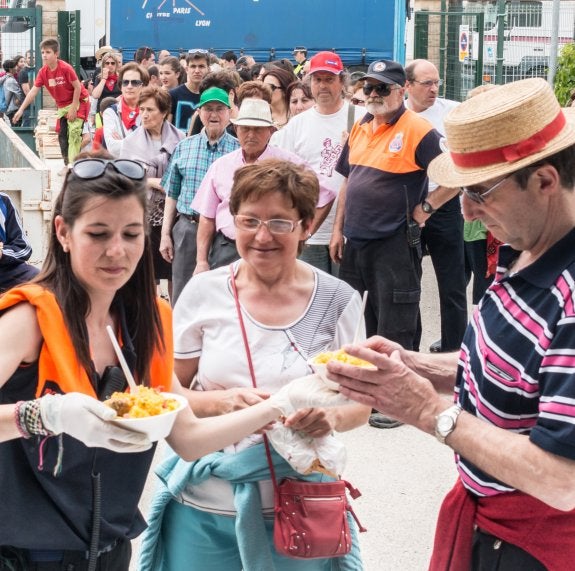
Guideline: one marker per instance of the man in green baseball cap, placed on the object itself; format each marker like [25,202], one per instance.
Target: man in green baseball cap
[214,94]
[190,161]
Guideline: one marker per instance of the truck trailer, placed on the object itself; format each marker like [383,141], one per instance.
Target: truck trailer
[360,32]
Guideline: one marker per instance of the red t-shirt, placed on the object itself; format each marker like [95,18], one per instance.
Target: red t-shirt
[58,82]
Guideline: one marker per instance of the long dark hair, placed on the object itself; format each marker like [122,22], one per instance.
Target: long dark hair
[137,298]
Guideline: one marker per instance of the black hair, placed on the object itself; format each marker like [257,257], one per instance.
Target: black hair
[230,56]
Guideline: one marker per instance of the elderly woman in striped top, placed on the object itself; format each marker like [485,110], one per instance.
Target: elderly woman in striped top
[290,311]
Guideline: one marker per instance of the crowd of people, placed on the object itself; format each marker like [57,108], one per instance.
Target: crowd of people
[271,198]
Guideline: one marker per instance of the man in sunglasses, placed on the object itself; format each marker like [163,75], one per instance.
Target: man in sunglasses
[440,213]
[384,165]
[185,98]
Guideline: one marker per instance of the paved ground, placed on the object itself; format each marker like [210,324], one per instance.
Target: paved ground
[402,474]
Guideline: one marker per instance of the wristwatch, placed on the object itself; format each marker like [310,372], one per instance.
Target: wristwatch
[446,421]
[427,208]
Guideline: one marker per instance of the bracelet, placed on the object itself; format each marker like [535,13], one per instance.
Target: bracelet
[19,420]
[32,419]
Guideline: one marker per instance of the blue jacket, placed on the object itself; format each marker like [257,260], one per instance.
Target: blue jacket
[16,249]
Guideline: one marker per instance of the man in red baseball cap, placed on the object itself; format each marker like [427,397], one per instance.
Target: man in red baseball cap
[316,136]
[326,61]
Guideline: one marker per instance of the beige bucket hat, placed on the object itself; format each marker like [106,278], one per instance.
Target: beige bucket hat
[103,50]
[501,131]
[254,113]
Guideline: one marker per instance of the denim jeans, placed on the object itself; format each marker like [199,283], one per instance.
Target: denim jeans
[317,255]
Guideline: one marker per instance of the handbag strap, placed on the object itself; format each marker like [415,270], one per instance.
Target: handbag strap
[353,491]
[252,372]
[350,117]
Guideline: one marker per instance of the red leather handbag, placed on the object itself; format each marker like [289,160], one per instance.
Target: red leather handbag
[310,517]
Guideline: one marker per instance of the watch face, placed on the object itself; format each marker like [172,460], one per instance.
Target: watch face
[426,207]
[444,424]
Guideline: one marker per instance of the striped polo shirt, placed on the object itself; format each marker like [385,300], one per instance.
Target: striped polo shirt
[517,361]
[386,172]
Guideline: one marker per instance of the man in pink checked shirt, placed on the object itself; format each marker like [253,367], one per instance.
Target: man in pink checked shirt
[216,231]
[511,421]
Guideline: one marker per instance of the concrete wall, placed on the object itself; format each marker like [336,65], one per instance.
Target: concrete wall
[26,179]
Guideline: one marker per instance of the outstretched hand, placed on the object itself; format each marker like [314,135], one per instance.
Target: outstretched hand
[306,392]
[393,388]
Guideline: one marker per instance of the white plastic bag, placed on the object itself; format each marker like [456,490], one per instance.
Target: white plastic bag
[306,454]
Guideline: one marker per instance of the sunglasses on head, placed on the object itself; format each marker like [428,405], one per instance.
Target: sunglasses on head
[198,51]
[381,89]
[132,82]
[88,169]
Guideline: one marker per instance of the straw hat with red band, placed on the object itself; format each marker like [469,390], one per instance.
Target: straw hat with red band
[501,131]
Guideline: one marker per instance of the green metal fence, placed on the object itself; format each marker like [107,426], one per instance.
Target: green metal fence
[447,39]
[491,42]
[69,35]
[20,31]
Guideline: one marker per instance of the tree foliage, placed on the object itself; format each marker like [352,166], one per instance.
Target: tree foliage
[565,76]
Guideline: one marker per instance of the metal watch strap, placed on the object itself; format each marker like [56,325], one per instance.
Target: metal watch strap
[446,421]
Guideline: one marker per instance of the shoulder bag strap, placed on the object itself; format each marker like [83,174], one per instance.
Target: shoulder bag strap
[252,372]
[350,117]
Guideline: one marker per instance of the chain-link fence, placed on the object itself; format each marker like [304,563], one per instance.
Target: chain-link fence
[491,42]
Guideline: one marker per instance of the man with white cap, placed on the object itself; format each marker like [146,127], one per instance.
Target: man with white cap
[186,170]
[316,136]
[216,230]
[512,427]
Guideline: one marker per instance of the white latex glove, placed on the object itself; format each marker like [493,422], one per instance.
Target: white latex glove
[85,419]
[306,392]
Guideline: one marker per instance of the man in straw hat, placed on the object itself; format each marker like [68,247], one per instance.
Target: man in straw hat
[384,163]
[216,231]
[512,427]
